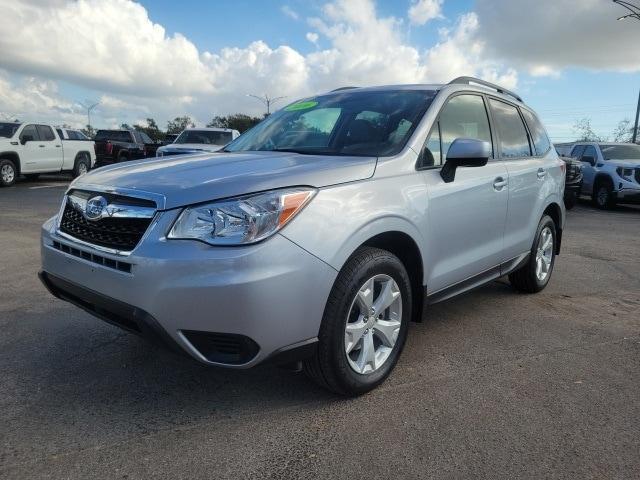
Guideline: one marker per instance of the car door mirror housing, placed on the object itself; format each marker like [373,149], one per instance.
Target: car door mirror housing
[589,159]
[26,138]
[465,152]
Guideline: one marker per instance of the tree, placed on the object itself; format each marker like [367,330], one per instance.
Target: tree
[125,126]
[151,129]
[89,131]
[585,133]
[178,124]
[623,131]
[237,121]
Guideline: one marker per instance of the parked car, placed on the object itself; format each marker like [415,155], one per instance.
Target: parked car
[33,148]
[169,138]
[315,237]
[116,146]
[198,140]
[573,179]
[611,172]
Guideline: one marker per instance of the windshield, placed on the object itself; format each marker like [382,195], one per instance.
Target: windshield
[8,129]
[351,122]
[206,137]
[115,135]
[620,152]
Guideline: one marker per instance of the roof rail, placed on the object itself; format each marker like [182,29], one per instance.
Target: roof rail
[484,83]
[342,88]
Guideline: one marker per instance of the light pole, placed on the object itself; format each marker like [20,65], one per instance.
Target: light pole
[89,105]
[266,100]
[635,14]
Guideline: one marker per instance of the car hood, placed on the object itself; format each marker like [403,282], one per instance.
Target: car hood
[624,163]
[192,179]
[191,147]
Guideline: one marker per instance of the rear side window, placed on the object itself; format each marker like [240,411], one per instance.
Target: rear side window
[145,138]
[46,134]
[114,135]
[539,136]
[514,141]
[464,116]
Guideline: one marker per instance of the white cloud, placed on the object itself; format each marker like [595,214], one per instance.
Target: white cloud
[312,37]
[421,11]
[137,70]
[289,12]
[545,37]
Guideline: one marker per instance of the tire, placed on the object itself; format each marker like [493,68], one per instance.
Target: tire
[603,195]
[8,173]
[123,158]
[526,278]
[32,177]
[331,366]
[82,166]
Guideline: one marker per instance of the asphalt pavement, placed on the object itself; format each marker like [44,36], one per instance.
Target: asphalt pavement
[492,384]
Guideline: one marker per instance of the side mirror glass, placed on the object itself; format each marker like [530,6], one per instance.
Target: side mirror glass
[465,152]
[26,138]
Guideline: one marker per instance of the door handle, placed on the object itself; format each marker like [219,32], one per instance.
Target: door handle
[41,146]
[499,183]
[542,173]
[58,146]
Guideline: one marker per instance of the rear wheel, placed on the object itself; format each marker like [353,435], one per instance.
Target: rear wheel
[123,157]
[8,173]
[365,323]
[82,166]
[535,274]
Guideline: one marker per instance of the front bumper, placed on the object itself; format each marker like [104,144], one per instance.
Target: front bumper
[185,293]
[628,195]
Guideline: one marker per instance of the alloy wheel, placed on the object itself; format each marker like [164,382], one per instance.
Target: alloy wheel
[8,173]
[373,324]
[544,254]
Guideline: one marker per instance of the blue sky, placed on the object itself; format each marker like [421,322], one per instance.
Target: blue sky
[202,58]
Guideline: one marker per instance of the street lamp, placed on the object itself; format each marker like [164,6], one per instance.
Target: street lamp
[89,105]
[266,100]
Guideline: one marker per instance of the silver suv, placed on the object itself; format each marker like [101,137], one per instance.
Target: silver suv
[316,237]
[611,172]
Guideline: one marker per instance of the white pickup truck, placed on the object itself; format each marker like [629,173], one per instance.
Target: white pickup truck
[33,148]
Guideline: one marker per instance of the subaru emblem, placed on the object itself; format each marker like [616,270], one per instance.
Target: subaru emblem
[95,207]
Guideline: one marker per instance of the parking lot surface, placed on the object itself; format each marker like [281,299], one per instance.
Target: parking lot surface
[492,384]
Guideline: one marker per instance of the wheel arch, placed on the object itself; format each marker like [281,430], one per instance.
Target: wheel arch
[602,177]
[14,157]
[403,246]
[555,212]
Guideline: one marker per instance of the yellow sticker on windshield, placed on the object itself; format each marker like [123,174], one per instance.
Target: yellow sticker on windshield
[301,106]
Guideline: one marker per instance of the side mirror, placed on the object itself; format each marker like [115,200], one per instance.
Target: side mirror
[465,152]
[589,159]
[26,138]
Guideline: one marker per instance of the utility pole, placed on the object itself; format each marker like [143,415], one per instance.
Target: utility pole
[266,100]
[634,13]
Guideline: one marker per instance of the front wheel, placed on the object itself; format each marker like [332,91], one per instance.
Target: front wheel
[603,196]
[535,274]
[365,323]
[7,173]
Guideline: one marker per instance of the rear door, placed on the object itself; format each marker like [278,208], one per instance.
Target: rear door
[466,217]
[52,147]
[527,174]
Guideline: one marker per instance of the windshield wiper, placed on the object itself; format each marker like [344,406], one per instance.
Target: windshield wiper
[292,150]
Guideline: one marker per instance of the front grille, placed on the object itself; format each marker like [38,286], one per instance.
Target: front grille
[118,233]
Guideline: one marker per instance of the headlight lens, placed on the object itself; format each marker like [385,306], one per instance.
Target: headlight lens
[626,173]
[241,220]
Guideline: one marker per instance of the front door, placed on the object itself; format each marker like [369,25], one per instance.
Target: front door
[466,217]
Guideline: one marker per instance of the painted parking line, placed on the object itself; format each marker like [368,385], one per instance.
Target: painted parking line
[45,186]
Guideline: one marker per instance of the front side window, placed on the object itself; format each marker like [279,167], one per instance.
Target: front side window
[539,136]
[464,116]
[350,122]
[29,133]
[204,137]
[45,133]
[514,141]
[589,155]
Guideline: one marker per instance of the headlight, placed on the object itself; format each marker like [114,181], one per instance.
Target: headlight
[241,220]
[626,173]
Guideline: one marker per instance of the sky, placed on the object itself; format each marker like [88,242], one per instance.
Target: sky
[568,59]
